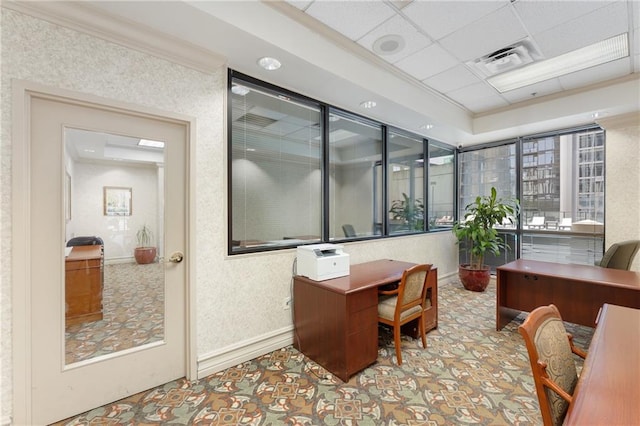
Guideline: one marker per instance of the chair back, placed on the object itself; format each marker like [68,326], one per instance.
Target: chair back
[620,255]
[412,291]
[85,241]
[348,230]
[551,359]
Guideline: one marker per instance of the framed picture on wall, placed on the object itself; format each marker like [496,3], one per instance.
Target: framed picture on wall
[117,201]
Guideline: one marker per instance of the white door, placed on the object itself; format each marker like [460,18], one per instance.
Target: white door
[104,196]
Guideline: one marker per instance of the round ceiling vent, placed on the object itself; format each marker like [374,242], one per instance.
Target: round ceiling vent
[388,44]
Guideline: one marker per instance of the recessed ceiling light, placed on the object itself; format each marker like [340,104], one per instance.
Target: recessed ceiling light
[150,143]
[589,56]
[368,104]
[269,64]
[239,90]
[388,44]
[426,127]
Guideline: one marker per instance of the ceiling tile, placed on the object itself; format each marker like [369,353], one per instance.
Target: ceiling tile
[538,16]
[440,18]
[452,79]
[533,91]
[598,25]
[429,61]
[352,18]
[397,25]
[478,98]
[593,75]
[490,33]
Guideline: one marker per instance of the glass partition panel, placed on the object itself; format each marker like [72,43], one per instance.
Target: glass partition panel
[355,153]
[441,186]
[405,183]
[276,183]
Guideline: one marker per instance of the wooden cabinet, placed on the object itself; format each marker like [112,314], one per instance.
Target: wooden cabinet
[336,321]
[84,284]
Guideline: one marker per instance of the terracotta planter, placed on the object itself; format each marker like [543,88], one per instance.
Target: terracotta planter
[145,255]
[474,279]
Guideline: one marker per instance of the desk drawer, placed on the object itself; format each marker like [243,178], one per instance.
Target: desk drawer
[362,299]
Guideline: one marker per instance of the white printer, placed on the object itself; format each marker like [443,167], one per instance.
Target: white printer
[322,261]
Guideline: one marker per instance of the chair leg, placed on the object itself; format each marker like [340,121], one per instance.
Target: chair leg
[423,334]
[396,342]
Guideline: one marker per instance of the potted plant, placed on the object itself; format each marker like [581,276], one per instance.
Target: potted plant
[478,234]
[144,252]
[409,214]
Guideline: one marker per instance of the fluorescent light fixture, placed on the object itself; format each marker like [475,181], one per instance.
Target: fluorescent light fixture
[368,104]
[150,143]
[269,64]
[589,56]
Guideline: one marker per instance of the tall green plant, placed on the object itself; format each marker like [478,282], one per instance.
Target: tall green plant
[477,229]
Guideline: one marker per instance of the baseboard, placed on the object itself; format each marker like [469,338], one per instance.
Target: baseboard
[244,351]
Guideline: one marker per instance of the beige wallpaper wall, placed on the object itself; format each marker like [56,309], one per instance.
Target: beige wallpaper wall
[239,299]
[622,216]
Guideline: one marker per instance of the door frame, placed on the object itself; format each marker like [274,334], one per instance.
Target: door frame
[22,92]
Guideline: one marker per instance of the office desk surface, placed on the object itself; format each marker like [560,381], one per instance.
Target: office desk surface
[366,275]
[594,274]
[608,391]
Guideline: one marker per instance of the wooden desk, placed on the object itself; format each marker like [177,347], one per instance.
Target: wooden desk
[336,321]
[577,290]
[83,284]
[608,391]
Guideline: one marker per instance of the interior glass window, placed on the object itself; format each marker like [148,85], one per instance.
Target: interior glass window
[405,183]
[355,152]
[275,182]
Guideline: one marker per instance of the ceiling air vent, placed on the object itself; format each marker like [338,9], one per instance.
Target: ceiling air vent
[505,59]
[256,120]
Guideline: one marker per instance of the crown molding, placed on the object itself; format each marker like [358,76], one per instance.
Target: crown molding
[82,17]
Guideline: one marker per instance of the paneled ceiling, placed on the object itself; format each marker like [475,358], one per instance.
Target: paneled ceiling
[418,60]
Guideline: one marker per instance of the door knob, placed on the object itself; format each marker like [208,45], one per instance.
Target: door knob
[176,257]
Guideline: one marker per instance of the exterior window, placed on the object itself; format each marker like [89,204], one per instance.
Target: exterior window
[405,183]
[275,150]
[479,171]
[355,149]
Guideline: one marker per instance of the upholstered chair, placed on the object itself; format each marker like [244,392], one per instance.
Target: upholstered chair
[620,255]
[554,371]
[405,303]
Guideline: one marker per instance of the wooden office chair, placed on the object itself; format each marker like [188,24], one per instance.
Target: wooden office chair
[620,255]
[550,350]
[405,303]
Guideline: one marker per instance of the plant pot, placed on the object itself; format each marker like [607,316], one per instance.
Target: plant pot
[474,279]
[145,255]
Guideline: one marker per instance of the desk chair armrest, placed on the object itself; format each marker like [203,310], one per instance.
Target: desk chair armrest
[576,350]
[388,292]
[546,381]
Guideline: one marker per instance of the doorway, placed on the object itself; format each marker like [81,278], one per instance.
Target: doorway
[86,187]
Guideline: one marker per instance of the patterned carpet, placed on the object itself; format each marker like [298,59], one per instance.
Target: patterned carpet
[469,374]
[132,302]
